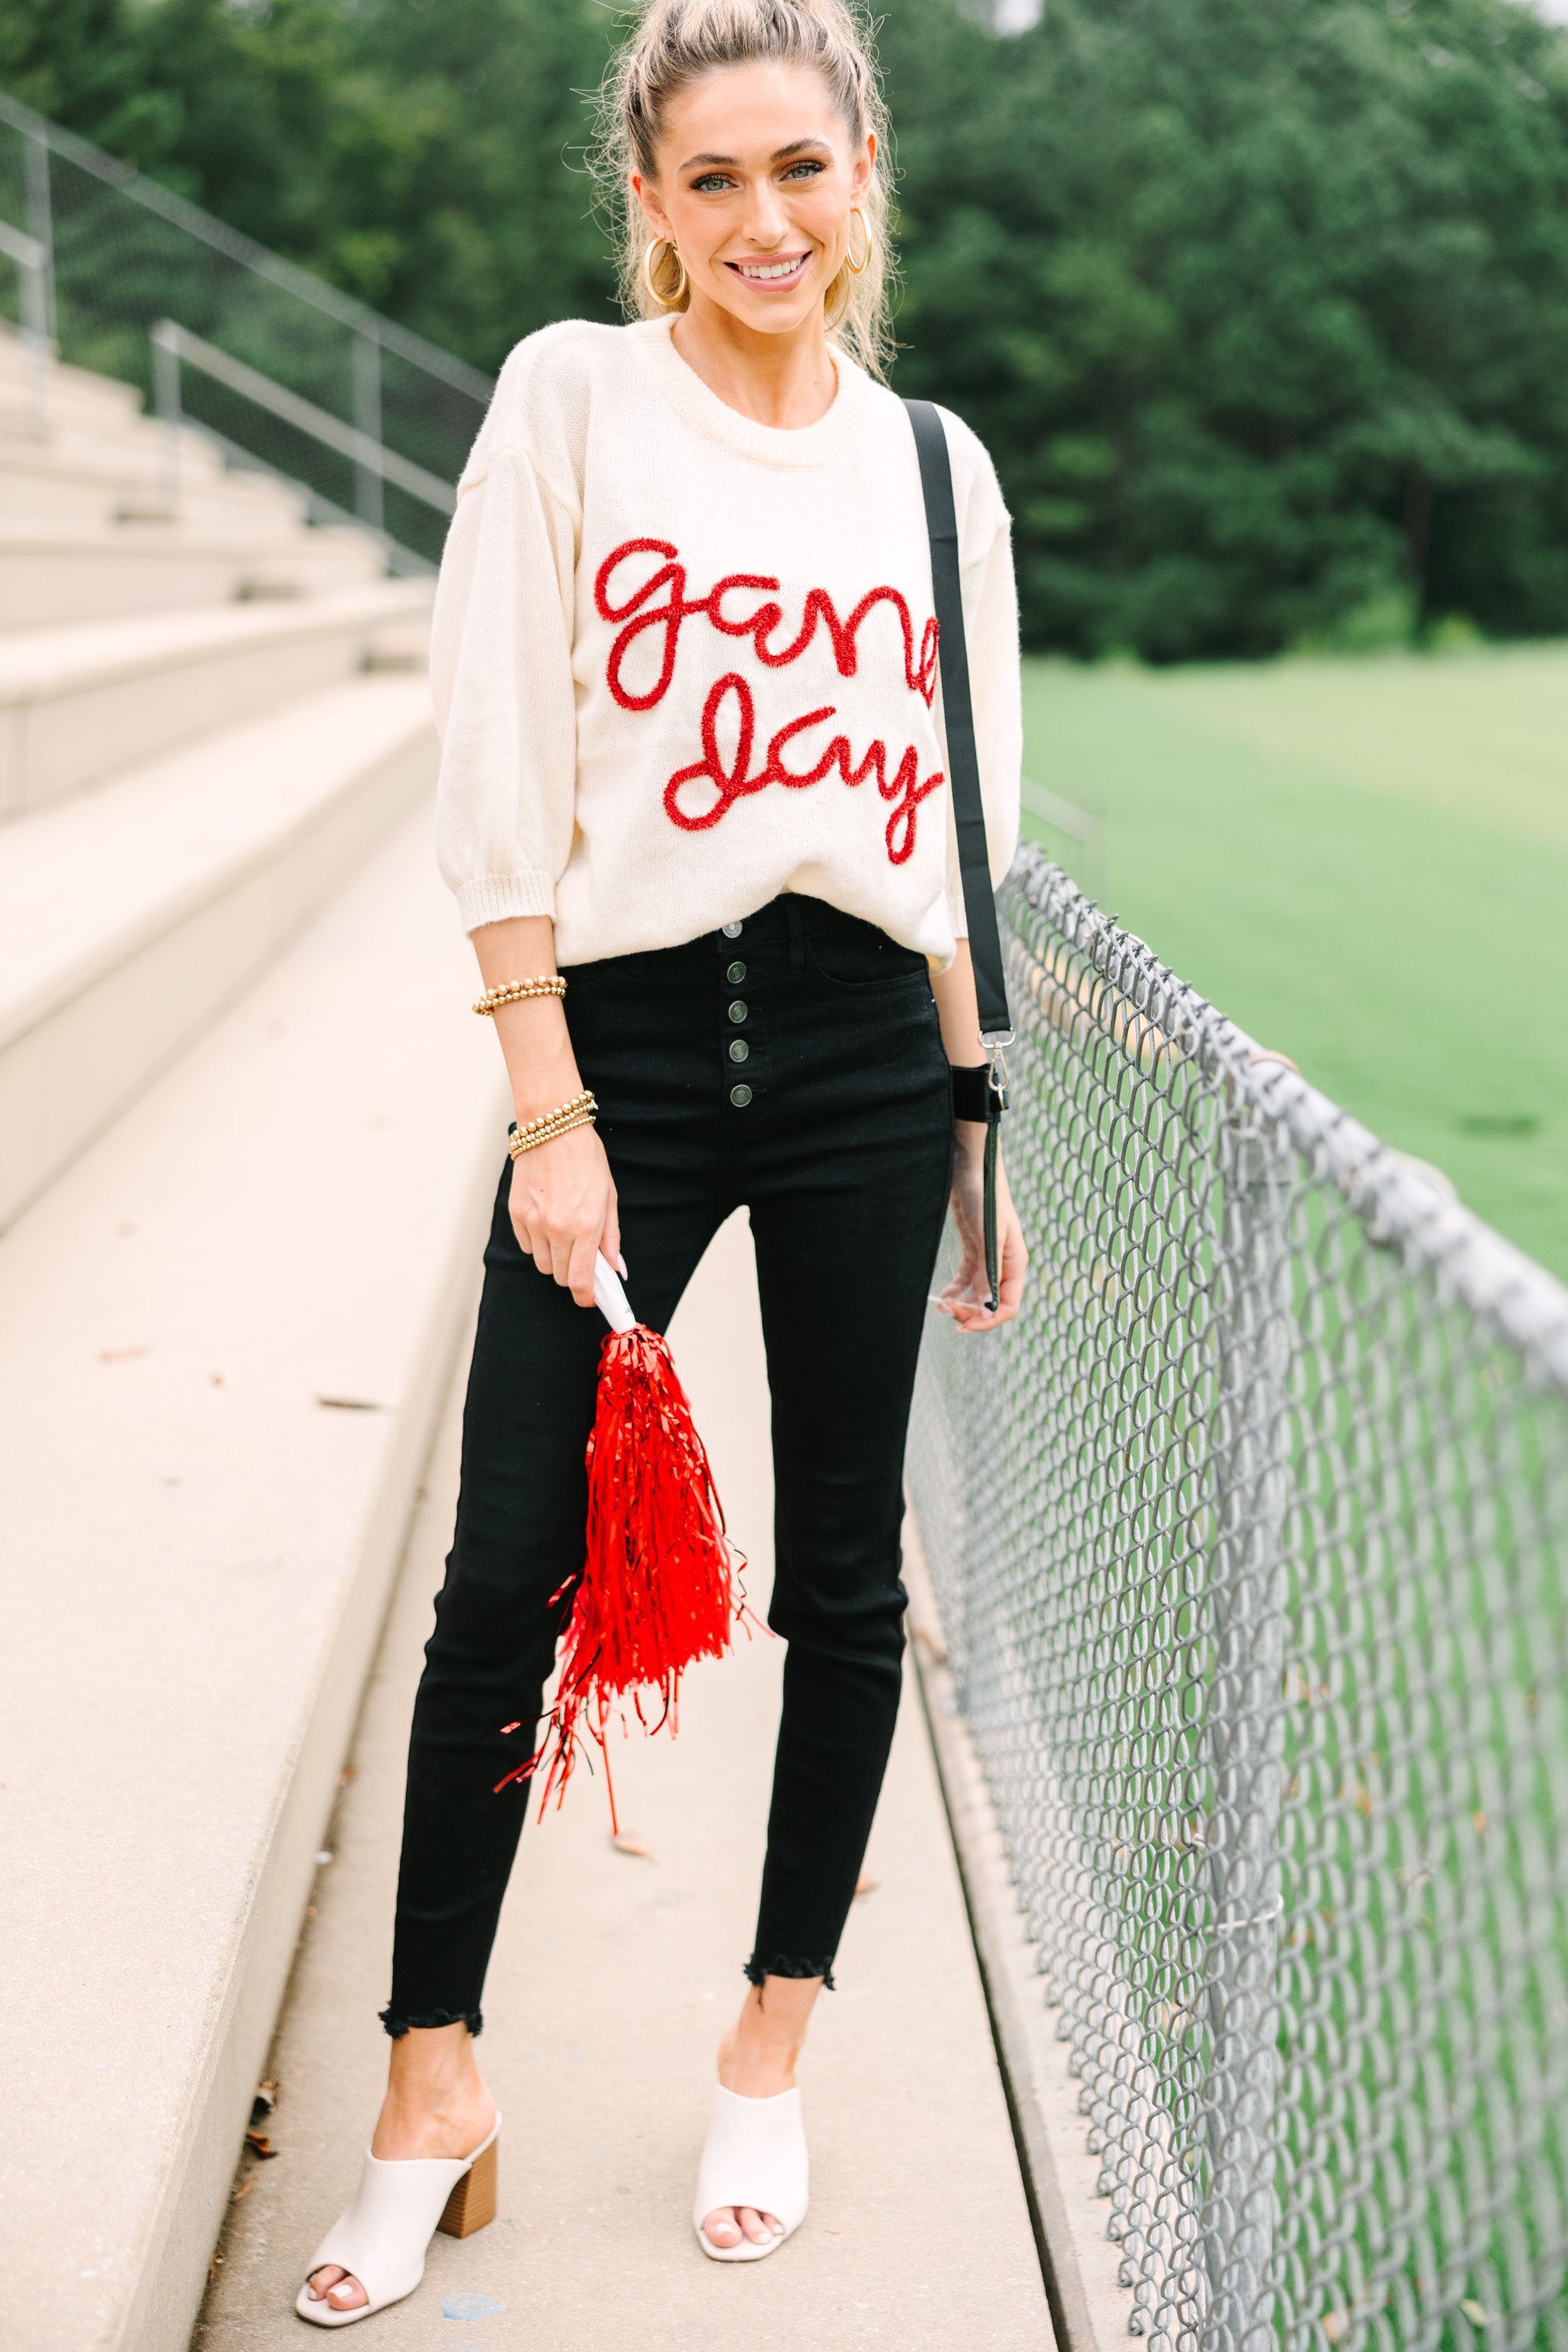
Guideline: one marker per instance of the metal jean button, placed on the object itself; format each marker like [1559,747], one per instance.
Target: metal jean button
[739,1097]
[736,974]
[738,1010]
[732,931]
[739,1049]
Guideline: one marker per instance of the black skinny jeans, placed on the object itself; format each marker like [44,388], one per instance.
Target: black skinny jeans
[794,1065]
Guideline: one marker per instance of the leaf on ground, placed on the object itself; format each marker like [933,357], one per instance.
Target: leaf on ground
[243,2190]
[262,2105]
[628,1841]
[349,1404]
[866,1883]
[350,1772]
[259,2143]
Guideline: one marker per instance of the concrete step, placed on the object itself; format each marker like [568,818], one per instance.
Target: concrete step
[77,704]
[78,395]
[58,571]
[130,916]
[115,441]
[224,1339]
[72,478]
[99,455]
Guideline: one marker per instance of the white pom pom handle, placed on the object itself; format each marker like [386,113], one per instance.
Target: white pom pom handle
[609,1298]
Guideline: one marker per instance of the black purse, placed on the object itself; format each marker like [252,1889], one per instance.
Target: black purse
[979,1093]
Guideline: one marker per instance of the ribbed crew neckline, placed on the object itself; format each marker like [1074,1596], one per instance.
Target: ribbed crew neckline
[809,444]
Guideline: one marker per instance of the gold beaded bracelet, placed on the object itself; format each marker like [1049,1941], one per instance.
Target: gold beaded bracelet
[513,991]
[519,1144]
[531,1133]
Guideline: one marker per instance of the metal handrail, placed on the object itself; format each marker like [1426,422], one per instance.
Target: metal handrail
[400,561]
[174,344]
[156,198]
[31,259]
[1078,823]
[25,250]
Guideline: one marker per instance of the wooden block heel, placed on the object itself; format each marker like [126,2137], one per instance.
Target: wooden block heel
[382,2238]
[472,2203]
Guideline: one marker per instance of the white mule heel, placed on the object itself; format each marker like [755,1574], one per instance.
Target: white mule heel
[754,2154]
[382,2238]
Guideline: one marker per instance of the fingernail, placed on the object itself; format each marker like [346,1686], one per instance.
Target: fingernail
[621,1267]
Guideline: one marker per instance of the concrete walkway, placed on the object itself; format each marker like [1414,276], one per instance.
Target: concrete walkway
[613,1977]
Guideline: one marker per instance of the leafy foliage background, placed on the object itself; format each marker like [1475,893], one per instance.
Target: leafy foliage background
[1260,305]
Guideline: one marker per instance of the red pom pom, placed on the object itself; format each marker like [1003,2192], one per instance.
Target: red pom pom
[658,1587]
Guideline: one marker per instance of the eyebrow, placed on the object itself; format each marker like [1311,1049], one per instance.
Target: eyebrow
[796,147]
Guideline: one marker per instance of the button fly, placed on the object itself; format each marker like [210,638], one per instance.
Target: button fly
[739,1097]
[738,1011]
[736,974]
[732,931]
[739,1049]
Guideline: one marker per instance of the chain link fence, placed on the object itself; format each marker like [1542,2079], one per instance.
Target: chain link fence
[1248,1541]
[125,255]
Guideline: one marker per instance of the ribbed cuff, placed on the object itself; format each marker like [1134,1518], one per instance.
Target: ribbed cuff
[499,898]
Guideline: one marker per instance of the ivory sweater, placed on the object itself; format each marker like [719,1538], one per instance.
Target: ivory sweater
[682,662]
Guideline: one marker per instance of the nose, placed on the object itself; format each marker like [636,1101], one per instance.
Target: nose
[764,224]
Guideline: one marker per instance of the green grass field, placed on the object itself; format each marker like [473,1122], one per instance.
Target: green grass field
[1366,864]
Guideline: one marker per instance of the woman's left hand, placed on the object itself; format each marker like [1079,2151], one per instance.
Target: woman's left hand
[965,1296]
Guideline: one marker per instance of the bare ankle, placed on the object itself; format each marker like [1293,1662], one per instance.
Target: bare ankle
[436,2096]
[430,2061]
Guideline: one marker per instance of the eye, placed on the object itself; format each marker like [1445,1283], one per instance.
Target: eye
[713,184]
[807,168]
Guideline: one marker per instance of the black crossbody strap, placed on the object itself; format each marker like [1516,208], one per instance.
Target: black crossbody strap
[963,780]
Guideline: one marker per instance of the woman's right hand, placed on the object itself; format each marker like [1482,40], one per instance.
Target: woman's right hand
[564,1210]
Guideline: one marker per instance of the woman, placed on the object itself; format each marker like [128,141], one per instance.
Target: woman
[684,665]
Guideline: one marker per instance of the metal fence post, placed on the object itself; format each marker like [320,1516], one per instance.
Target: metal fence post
[41,226]
[1246,1599]
[166,390]
[28,256]
[369,498]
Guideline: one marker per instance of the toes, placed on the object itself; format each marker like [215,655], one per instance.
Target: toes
[347,2295]
[321,2282]
[727,2227]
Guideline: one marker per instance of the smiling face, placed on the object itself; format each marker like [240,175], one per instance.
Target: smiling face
[756,179]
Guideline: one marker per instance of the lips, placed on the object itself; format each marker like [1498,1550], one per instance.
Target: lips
[778,270]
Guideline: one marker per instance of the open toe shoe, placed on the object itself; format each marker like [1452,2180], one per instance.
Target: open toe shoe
[382,2238]
[754,2154]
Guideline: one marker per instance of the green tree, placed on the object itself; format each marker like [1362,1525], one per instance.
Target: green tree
[429,158]
[1263,310]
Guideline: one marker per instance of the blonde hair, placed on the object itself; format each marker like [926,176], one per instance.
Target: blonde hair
[679,41]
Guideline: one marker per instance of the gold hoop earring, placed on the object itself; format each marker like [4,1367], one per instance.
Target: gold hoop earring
[858,269]
[668,300]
